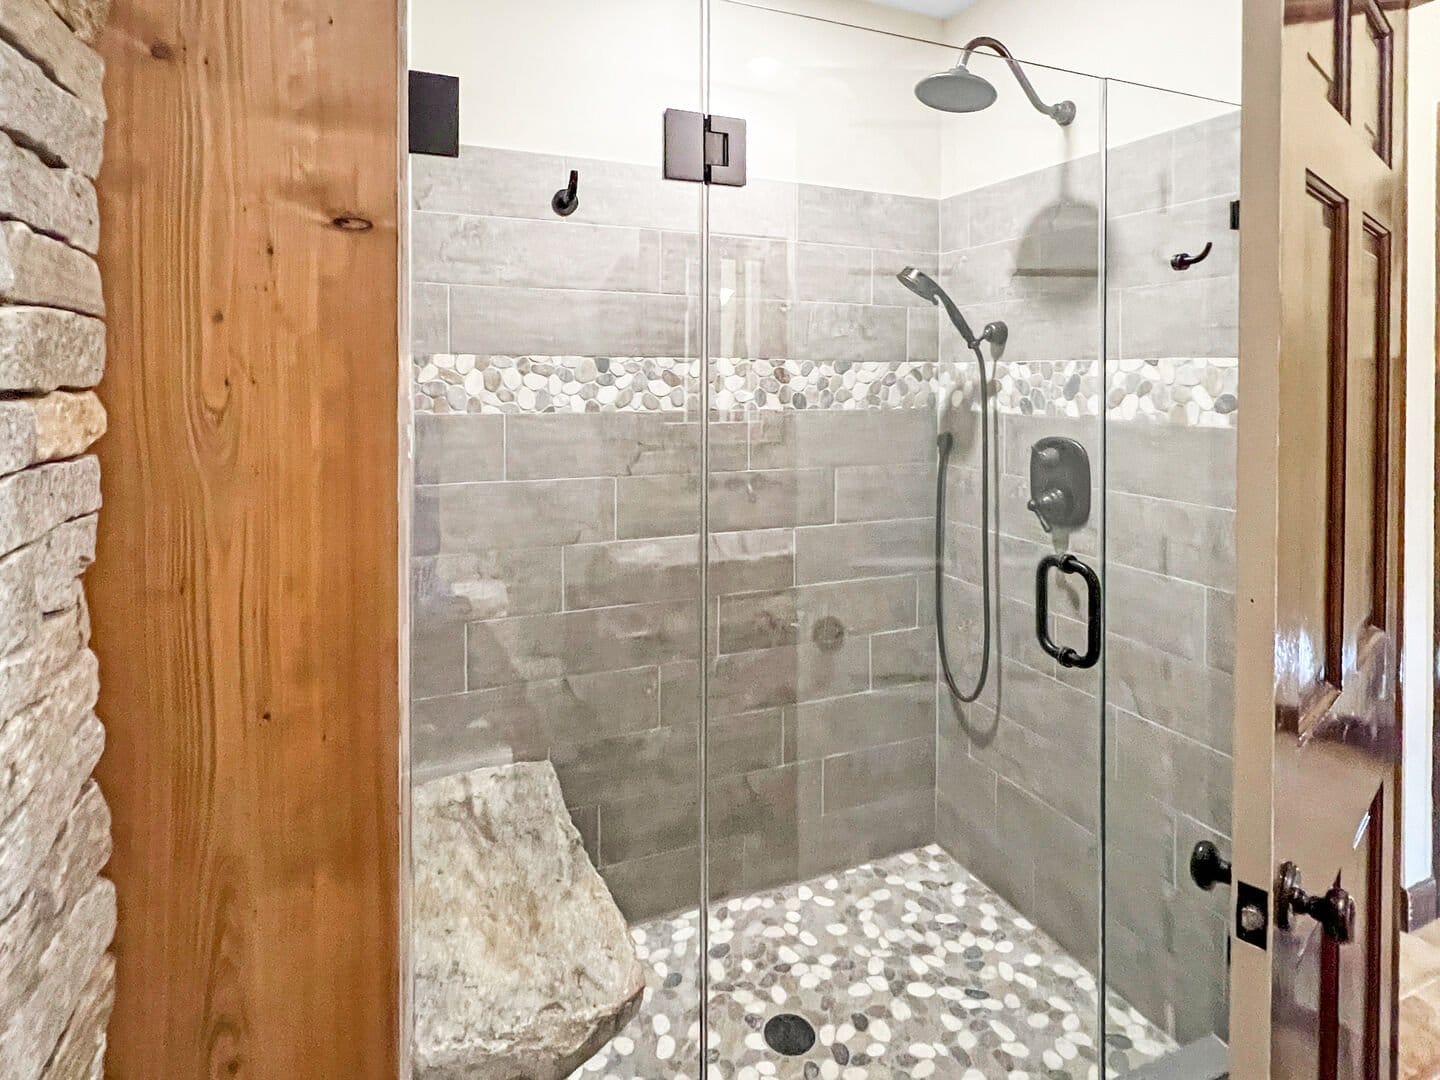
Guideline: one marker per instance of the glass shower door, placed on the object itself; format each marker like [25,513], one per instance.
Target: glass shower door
[1170,412]
[901,878]
[904,773]
[555,579]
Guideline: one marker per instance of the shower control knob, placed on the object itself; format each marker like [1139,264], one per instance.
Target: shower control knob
[1055,504]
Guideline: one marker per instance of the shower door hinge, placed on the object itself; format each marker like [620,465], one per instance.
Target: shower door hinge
[704,149]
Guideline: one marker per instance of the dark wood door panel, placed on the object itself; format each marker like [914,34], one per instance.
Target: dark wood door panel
[1337,514]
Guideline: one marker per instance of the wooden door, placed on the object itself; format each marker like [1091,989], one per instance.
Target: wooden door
[1318,523]
[245,598]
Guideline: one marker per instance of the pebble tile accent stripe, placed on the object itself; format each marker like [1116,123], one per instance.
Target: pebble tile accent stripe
[907,967]
[1185,391]
[533,384]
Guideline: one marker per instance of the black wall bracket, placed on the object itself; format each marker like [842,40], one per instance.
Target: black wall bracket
[434,114]
[567,200]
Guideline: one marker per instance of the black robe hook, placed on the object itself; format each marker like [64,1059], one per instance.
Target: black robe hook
[1184,261]
[567,199]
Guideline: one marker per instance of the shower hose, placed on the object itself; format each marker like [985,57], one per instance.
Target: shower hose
[945,443]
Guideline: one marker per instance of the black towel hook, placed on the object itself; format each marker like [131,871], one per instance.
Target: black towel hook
[1184,261]
[567,199]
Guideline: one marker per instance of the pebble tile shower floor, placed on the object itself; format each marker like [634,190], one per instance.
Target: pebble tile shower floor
[906,967]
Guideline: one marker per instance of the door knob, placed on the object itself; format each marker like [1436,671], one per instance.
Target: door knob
[1334,910]
[1208,867]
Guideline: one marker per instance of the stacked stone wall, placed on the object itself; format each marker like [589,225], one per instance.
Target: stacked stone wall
[57,913]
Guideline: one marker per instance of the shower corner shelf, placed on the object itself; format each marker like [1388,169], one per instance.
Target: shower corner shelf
[1057,272]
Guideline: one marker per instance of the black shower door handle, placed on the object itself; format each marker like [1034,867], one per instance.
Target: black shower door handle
[1064,655]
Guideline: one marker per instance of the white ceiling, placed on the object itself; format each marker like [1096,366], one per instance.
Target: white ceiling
[940,9]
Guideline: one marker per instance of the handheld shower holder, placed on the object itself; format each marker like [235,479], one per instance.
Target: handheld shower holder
[996,333]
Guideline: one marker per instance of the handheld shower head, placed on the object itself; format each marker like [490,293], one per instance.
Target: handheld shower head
[927,288]
[919,283]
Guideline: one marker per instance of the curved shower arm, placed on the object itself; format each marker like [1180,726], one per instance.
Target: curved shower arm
[1062,112]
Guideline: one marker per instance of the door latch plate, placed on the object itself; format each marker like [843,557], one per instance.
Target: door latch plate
[1252,915]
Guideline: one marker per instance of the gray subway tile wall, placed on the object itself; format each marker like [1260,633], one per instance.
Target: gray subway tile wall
[560,554]
[555,572]
[498,274]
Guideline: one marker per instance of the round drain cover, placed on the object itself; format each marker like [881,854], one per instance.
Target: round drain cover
[789,1034]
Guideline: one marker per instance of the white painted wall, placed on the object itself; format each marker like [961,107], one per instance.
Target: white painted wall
[879,15]
[1419,661]
[1183,45]
[826,102]
[563,76]
[1180,46]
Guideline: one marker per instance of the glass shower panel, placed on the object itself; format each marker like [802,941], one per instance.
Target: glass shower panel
[1170,409]
[900,879]
[556,551]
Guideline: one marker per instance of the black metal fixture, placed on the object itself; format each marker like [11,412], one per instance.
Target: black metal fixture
[1208,867]
[1059,483]
[1184,261]
[1334,910]
[960,90]
[1095,624]
[704,149]
[996,333]
[567,199]
[434,114]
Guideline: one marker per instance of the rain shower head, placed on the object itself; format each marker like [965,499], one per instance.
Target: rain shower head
[960,90]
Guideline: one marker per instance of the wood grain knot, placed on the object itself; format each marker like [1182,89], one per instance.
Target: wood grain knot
[352,223]
[162,50]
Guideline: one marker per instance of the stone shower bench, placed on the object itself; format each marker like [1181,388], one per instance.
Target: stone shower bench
[524,966]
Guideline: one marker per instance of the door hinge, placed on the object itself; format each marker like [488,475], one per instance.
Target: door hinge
[1235,214]
[704,149]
